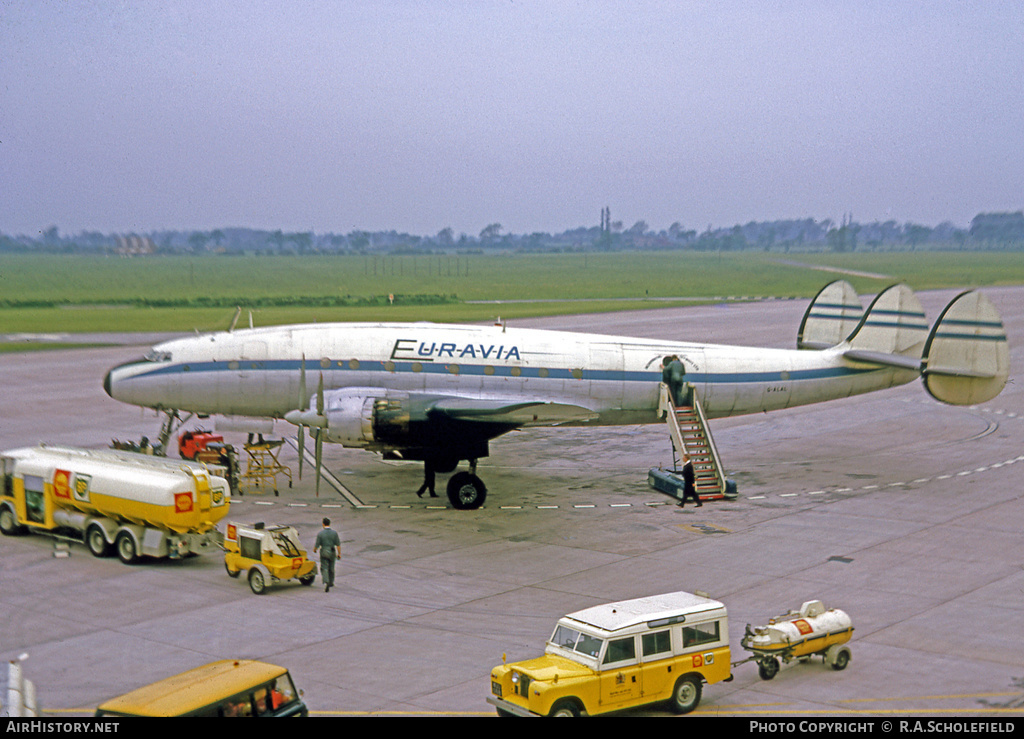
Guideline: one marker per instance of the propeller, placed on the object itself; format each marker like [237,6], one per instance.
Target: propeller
[301,404]
[315,419]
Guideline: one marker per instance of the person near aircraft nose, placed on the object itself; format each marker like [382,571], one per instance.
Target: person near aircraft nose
[428,480]
[329,545]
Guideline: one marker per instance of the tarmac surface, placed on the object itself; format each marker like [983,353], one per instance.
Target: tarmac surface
[904,512]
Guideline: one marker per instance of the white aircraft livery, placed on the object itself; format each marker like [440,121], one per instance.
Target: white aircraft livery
[439,393]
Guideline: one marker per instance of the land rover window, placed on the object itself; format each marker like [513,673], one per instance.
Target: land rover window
[620,650]
[698,634]
[577,641]
[657,643]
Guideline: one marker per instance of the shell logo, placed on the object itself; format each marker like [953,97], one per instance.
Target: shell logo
[698,660]
[802,626]
[62,484]
[183,502]
[232,531]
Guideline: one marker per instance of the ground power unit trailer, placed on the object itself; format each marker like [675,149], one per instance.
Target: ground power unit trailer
[119,502]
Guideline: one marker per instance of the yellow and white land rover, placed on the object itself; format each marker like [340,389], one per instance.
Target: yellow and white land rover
[661,648]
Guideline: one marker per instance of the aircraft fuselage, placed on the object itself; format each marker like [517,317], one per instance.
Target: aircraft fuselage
[259,372]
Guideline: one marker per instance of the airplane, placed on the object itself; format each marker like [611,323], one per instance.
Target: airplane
[440,393]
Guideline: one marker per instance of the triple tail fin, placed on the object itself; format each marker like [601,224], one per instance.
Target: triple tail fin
[892,332]
[832,316]
[966,358]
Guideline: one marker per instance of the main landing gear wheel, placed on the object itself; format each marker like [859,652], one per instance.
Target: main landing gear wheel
[466,491]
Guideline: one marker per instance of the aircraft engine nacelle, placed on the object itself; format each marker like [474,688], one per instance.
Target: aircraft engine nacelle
[356,416]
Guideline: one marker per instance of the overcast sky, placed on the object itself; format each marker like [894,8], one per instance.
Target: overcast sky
[416,116]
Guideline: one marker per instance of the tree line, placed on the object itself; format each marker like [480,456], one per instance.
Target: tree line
[987,231]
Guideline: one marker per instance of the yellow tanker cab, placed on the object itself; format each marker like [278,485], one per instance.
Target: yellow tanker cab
[224,688]
[658,649]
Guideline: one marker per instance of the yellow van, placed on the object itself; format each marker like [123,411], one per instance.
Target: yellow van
[225,688]
[661,648]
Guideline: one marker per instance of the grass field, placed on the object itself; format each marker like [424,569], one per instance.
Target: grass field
[88,294]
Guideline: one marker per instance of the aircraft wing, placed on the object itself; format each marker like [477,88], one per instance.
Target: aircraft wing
[517,412]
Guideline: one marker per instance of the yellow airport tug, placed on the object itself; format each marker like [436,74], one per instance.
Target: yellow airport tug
[813,630]
[268,553]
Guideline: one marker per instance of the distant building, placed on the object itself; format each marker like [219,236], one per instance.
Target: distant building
[133,246]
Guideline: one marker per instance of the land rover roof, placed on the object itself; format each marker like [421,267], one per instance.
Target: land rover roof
[666,608]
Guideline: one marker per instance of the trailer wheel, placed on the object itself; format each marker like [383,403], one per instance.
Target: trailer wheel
[257,583]
[308,579]
[231,572]
[9,523]
[127,551]
[96,540]
[838,657]
[768,668]
[685,695]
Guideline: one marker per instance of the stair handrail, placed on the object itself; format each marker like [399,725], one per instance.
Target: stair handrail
[719,472]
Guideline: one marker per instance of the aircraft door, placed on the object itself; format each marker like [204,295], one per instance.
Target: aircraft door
[696,371]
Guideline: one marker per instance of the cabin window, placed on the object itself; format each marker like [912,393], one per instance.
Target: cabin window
[577,374]
[35,502]
[577,641]
[417,367]
[620,650]
[353,364]
[488,370]
[516,372]
[389,366]
[656,643]
[698,634]
[6,483]
[249,547]
[453,369]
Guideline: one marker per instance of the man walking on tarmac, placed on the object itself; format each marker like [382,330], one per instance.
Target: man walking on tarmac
[329,545]
[689,488]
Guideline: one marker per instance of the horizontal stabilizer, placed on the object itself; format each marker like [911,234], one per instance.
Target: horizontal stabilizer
[889,360]
[893,324]
[518,413]
[966,358]
[831,317]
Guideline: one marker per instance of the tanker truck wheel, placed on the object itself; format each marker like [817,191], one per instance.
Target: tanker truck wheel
[96,540]
[127,550]
[9,523]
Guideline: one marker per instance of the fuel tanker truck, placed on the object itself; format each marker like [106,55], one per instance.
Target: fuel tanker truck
[119,502]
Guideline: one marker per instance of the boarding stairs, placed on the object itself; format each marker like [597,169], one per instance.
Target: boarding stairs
[688,429]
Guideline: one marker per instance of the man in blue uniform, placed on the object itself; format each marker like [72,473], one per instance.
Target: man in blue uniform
[328,543]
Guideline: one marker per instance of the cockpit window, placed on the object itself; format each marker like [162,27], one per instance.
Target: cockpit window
[157,356]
